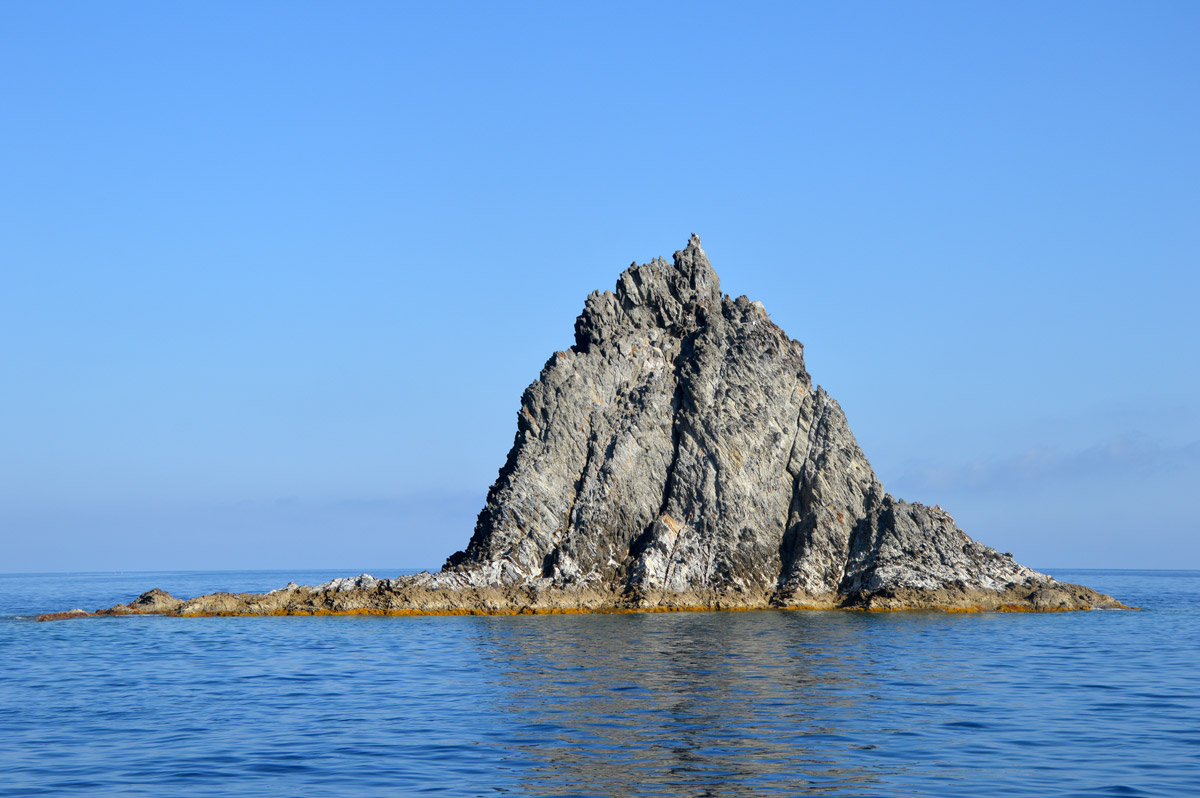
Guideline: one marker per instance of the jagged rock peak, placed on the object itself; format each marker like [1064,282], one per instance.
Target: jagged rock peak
[653,295]
[688,280]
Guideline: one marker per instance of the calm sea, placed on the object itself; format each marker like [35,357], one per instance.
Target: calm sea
[694,704]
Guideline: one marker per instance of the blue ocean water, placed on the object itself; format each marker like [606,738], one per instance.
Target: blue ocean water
[689,704]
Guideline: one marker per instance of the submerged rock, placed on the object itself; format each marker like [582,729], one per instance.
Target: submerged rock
[679,456]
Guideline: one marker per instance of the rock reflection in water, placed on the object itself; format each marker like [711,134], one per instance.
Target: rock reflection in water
[690,703]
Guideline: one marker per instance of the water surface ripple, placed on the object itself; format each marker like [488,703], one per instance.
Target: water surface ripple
[693,704]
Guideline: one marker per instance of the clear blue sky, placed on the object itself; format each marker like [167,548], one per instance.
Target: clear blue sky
[276,274]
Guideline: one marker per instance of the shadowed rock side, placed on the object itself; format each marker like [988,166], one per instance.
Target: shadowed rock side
[679,456]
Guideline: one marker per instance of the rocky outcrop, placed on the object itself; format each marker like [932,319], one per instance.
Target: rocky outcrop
[678,456]
[679,452]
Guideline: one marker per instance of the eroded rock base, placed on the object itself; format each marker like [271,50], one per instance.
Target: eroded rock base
[426,594]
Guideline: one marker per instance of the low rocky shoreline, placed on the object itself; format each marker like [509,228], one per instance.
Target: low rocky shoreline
[435,594]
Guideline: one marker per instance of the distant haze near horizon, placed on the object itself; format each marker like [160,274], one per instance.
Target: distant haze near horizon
[275,275]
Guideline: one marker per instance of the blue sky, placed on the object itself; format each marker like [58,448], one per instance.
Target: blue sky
[276,274]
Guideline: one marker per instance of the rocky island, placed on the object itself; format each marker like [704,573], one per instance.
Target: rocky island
[678,456]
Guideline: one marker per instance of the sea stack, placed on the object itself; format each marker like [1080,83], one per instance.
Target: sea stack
[679,456]
[679,453]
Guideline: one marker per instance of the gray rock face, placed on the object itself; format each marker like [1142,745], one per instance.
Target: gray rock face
[680,447]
